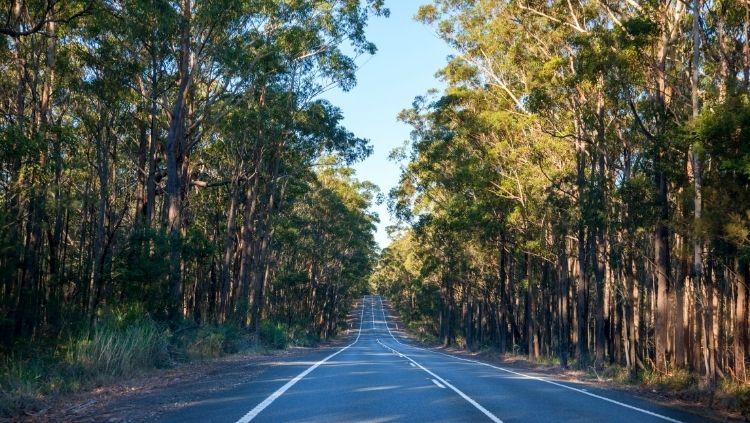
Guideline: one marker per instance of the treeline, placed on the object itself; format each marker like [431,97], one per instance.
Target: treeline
[580,188]
[175,157]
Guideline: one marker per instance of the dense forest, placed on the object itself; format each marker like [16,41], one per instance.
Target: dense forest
[175,158]
[579,190]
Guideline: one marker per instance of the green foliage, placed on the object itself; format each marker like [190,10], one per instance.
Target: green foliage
[120,346]
[148,199]
[214,341]
[142,272]
[274,334]
[675,380]
[743,403]
[123,344]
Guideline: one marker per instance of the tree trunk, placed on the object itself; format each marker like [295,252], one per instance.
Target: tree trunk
[99,250]
[740,320]
[174,151]
[229,248]
[564,287]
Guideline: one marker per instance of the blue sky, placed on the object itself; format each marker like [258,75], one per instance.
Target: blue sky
[408,56]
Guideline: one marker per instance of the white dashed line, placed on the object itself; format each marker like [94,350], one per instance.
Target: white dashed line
[468,399]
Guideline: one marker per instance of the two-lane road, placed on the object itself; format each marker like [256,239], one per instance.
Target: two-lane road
[379,377]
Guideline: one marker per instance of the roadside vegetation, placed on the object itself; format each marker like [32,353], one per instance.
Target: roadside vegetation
[124,345]
[172,185]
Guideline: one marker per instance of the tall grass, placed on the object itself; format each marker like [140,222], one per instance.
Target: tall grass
[116,350]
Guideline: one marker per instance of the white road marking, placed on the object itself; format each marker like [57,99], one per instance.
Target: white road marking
[476,405]
[440,385]
[412,364]
[540,379]
[271,398]
[387,326]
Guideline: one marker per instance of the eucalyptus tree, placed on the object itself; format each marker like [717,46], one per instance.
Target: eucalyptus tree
[134,131]
[586,136]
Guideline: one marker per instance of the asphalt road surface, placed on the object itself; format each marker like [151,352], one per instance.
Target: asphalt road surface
[379,377]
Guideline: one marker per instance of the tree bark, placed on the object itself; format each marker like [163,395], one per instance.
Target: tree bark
[174,151]
[740,320]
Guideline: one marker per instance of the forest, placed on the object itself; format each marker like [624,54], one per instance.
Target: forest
[167,165]
[578,191]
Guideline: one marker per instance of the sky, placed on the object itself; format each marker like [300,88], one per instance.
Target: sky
[409,54]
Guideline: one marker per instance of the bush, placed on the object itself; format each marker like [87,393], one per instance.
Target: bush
[739,396]
[743,401]
[21,383]
[422,330]
[211,341]
[301,336]
[675,380]
[207,344]
[123,344]
[274,335]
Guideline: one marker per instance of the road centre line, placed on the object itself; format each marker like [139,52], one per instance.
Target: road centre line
[540,379]
[476,405]
[271,398]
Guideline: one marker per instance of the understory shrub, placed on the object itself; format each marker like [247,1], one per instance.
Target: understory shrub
[274,335]
[120,349]
[675,379]
[121,344]
[214,341]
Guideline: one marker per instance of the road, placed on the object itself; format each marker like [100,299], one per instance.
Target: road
[379,377]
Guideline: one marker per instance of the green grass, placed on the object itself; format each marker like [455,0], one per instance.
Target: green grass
[548,360]
[739,394]
[212,341]
[113,350]
[116,350]
[677,379]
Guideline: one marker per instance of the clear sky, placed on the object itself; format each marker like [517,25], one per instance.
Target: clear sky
[408,56]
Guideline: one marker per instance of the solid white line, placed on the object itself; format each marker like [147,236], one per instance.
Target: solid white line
[579,390]
[382,310]
[476,405]
[440,385]
[271,398]
[540,379]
